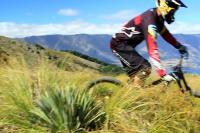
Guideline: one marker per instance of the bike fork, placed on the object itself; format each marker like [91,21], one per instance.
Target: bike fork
[182,79]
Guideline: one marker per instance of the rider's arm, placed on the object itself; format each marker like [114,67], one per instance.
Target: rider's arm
[150,32]
[169,37]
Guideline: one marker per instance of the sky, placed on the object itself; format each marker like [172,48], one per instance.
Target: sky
[20,18]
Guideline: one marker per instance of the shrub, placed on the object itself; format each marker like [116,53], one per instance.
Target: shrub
[68,110]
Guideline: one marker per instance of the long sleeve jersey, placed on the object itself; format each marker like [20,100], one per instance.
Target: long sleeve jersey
[146,27]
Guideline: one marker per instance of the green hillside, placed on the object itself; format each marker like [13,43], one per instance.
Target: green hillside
[69,60]
[105,67]
[32,53]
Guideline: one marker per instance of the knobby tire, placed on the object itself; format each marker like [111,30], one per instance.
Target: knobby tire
[104,80]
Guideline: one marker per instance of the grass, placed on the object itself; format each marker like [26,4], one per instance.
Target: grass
[68,110]
[45,98]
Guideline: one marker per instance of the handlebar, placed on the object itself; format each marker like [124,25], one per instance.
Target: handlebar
[177,72]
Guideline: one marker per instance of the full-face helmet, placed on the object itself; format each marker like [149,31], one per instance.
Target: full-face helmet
[168,8]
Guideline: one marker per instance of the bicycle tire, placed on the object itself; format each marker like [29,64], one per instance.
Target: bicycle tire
[103,80]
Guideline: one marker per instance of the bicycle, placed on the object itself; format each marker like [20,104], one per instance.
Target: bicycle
[177,73]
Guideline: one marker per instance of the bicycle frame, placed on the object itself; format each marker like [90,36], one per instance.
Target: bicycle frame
[178,74]
[180,77]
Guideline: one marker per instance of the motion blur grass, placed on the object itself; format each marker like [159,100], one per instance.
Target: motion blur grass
[24,93]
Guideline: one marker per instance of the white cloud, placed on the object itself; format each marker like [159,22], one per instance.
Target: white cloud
[68,12]
[184,28]
[121,15]
[11,29]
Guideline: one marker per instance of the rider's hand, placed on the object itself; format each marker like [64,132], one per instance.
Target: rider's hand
[183,51]
[169,77]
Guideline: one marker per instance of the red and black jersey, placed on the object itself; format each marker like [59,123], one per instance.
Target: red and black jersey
[145,27]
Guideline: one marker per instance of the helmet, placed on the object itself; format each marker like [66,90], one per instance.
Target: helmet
[168,8]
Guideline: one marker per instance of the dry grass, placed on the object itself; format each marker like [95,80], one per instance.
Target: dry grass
[128,110]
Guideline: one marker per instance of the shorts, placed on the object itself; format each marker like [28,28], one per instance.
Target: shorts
[131,60]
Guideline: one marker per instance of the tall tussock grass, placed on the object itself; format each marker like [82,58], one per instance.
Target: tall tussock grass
[24,87]
[44,98]
[69,110]
[152,111]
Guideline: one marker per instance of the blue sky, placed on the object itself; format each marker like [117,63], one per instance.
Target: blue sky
[20,18]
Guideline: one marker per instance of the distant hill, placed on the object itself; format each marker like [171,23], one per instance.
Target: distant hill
[91,45]
[98,46]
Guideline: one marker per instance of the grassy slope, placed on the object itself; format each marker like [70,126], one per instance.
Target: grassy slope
[10,48]
[129,110]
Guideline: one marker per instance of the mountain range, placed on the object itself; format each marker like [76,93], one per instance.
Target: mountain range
[91,45]
[97,46]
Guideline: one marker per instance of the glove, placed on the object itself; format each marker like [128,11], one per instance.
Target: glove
[169,77]
[183,51]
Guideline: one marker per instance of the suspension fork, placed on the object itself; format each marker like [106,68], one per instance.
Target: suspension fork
[180,79]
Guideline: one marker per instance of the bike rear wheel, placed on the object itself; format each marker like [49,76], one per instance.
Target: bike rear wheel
[101,80]
[103,87]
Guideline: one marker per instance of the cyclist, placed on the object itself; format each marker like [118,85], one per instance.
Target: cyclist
[146,27]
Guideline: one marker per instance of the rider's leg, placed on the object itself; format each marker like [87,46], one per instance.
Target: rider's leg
[138,79]
[137,68]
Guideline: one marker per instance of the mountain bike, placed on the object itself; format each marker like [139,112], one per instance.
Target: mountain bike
[177,73]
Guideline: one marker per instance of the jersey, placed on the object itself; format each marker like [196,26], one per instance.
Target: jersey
[146,27]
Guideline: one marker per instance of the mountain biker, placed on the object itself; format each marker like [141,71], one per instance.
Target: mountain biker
[145,27]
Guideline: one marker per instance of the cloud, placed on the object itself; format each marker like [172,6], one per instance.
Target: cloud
[11,29]
[68,12]
[121,15]
[184,28]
